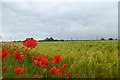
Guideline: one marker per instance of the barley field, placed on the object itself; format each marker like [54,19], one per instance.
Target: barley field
[84,59]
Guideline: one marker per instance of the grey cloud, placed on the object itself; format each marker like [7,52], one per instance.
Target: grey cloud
[61,20]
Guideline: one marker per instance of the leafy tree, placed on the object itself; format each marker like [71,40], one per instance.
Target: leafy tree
[51,39]
[110,39]
[61,40]
[102,38]
[47,39]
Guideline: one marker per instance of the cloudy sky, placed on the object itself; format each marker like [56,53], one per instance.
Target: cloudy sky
[60,20]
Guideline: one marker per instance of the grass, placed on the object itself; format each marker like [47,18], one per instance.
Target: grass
[85,59]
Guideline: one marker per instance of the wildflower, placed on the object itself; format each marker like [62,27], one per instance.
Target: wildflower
[66,72]
[36,62]
[59,72]
[70,74]
[43,62]
[56,59]
[19,71]
[40,60]
[63,66]
[4,69]
[28,57]
[56,71]
[30,43]
[37,76]
[5,53]
[33,58]
[19,56]
[40,56]
[53,70]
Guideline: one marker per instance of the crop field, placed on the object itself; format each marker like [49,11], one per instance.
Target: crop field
[76,59]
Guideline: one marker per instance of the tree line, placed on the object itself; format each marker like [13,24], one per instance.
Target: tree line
[108,39]
[52,39]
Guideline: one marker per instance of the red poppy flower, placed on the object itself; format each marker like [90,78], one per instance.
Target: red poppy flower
[37,76]
[66,71]
[53,70]
[36,62]
[40,57]
[19,71]
[14,48]
[43,62]
[40,60]
[33,58]
[56,71]
[30,43]
[5,53]
[4,69]
[63,66]
[59,72]
[19,56]
[70,74]
[56,59]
